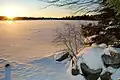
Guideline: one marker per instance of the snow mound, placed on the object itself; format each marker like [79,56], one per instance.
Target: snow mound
[92,57]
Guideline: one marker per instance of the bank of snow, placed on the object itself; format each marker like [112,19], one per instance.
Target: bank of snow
[49,69]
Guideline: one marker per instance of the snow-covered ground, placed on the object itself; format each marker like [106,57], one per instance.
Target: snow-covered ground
[48,68]
[25,45]
[40,69]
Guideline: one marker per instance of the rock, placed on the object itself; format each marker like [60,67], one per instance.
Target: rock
[106,76]
[75,72]
[113,61]
[90,74]
[62,56]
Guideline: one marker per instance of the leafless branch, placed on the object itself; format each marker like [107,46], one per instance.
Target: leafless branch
[71,37]
[77,5]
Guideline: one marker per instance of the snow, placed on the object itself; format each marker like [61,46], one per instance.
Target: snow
[89,39]
[116,75]
[110,49]
[92,56]
[48,69]
[110,27]
[39,69]
[103,46]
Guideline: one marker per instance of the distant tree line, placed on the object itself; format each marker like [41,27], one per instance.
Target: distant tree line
[2,17]
[83,17]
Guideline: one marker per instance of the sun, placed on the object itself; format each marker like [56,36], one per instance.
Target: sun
[10,12]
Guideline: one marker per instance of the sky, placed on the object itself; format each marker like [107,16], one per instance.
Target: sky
[30,8]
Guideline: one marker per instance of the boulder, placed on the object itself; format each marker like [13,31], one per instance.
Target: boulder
[62,56]
[90,74]
[75,72]
[113,61]
[106,76]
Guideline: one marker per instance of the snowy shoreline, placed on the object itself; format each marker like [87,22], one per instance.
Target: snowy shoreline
[47,66]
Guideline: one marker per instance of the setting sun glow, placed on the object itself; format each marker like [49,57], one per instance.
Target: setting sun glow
[10,12]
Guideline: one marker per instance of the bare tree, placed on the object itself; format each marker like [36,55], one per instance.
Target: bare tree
[85,6]
[71,37]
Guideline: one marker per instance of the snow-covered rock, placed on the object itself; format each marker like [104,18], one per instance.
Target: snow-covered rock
[92,57]
[94,45]
[110,50]
[62,56]
[90,74]
[113,61]
[103,46]
[89,39]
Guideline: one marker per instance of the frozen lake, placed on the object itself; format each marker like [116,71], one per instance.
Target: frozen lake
[24,40]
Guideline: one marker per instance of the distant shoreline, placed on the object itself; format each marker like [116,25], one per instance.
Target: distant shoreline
[83,17]
[46,19]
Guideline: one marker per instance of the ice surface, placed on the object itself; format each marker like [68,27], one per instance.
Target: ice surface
[23,40]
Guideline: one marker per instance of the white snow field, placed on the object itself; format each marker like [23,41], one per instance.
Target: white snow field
[39,69]
[48,68]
